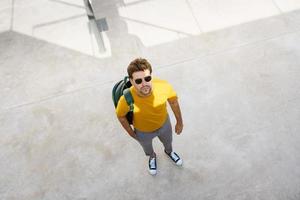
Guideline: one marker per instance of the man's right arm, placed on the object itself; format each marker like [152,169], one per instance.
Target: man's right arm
[127,127]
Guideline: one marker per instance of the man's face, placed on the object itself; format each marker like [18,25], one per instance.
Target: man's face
[141,80]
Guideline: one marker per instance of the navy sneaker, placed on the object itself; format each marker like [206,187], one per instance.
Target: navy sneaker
[152,166]
[175,158]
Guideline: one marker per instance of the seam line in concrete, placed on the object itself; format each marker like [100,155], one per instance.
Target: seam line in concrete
[282,13]
[228,49]
[276,5]
[194,16]
[50,97]
[12,14]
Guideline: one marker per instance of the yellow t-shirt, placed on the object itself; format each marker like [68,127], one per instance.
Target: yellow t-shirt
[149,112]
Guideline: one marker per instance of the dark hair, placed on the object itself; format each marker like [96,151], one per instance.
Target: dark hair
[138,64]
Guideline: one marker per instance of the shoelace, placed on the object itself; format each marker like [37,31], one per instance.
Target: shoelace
[152,163]
[174,156]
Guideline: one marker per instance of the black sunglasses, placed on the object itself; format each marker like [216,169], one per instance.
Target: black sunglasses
[139,80]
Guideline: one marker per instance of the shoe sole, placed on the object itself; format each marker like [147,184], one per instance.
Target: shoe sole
[152,172]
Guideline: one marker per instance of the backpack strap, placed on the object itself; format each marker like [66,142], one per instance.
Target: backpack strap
[128,98]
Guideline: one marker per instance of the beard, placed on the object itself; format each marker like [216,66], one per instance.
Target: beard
[146,90]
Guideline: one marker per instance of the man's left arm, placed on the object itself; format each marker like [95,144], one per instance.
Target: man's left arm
[176,110]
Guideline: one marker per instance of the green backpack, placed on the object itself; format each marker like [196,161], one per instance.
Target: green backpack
[122,88]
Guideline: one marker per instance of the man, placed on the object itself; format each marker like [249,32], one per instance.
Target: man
[150,117]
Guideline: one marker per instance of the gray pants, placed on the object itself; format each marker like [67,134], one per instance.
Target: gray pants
[164,134]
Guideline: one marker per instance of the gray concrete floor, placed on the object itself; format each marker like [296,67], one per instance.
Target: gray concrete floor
[235,66]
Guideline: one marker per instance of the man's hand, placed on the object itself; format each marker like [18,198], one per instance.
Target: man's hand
[133,135]
[178,128]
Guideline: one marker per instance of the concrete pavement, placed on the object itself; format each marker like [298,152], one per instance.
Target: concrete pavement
[235,66]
